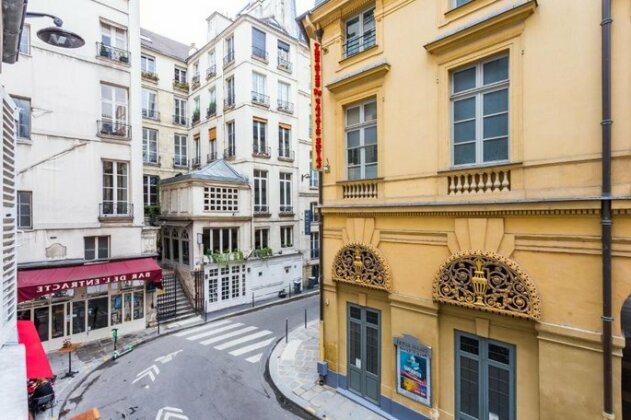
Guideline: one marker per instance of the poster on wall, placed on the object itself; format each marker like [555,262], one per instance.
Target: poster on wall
[414,369]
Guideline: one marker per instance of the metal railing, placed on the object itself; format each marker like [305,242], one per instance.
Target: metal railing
[113,129]
[260,98]
[196,116]
[285,154]
[112,53]
[261,209]
[196,161]
[150,75]
[180,162]
[228,59]
[211,110]
[211,72]
[211,157]
[286,209]
[261,151]
[229,153]
[284,65]
[285,106]
[360,43]
[148,161]
[259,53]
[181,85]
[315,254]
[195,80]
[116,209]
[180,120]
[228,102]
[151,114]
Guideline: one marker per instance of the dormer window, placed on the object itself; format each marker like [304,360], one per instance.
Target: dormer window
[360,33]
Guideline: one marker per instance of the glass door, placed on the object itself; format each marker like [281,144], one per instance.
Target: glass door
[364,352]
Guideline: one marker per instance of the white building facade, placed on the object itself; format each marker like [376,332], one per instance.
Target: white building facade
[79,176]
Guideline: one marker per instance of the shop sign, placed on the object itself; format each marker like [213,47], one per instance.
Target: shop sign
[413,373]
[50,288]
[317,94]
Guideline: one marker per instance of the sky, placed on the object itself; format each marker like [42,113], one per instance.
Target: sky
[185,20]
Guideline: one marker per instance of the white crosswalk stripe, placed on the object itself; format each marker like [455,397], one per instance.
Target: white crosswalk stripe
[255,358]
[228,335]
[213,332]
[243,340]
[255,346]
[202,328]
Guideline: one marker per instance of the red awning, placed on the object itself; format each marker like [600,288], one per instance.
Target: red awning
[42,281]
[37,365]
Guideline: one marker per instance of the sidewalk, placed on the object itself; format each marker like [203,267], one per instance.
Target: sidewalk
[94,354]
[292,367]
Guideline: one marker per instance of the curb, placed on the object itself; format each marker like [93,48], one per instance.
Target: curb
[174,330]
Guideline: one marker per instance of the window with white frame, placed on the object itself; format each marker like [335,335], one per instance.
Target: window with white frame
[180,111]
[198,148]
[230,98]
[212,60]
[259,130]
[259,88]
[25,209]
[149,104]
[360,32]
[315,245]
[283,97]
[283,54]
[315,215]
[361,140]
[212,101]
[480,112]
[220,240]
[150,189]
[113,36]
[261,238]
[24,117]
[284,141]
[225,283]
[286,236]
[314,175]
[230,133]
[114,106]
[180,157]
[115,188]
[179,75]
[229,48]
[147,64]
[96,247]
[221,199]
[259,49]
[25,40]
[285,193]
[260,191]
[196,108]
[235,281]
[150,146]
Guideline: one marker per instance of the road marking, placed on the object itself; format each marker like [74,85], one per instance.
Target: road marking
[203,327]
[290,350]
[255,358]
[169,357]
[166,413]
[243,340]
[148,372]
[215,331]
[228,335]
[247,349]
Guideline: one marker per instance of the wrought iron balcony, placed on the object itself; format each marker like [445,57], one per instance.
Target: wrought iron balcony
[315,254]
[113,128]
[285,65]
[259,53]
[196,162]
[151,114]
[211,157]
[261,151]
[358,44]
[180,162]
[180,120]
[196,117]
[285,106]
[229,153]
[261,209]
[195,81]
[150,76]
[285,154]
[113,209]
[260,99]
[211,110]
[154,160]
[211,72]
[112,53]
[228,59]
[286,210]
[228,103]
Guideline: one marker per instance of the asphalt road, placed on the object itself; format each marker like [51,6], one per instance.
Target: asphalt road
[214,371]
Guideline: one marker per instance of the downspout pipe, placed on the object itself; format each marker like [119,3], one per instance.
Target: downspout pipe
[318,35]
[606,214]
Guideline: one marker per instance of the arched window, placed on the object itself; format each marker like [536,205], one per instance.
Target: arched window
[185,248]
[362,265]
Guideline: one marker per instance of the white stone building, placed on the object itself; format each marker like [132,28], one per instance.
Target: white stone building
[249,104]
[84,253]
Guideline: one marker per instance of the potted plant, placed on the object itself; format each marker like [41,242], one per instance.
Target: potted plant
[196,115]
[66,343]
[237,256]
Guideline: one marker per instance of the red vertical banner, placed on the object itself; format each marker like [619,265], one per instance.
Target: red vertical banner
[317,96]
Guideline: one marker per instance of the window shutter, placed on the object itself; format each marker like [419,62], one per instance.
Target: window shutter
[212,134]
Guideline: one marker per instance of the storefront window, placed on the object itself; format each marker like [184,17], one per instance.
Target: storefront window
[116,309]
[138,305]
[78,317]
[127,307]
[97,313]
[57,323]
[24,315]
[41,322]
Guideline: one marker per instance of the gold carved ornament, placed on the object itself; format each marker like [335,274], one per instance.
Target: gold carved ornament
[488,282]
[362,265]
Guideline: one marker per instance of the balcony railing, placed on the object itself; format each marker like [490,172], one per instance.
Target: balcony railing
[360,189]
[261,209]
[151,114]
[315,254]
[229,153]
[286,210]
[211,157]
[183,86]
[113,209]
[180,120]
[358,44]
[196,162]
[228,103]
[150,75]
[113,129]
[196,117]
[180,162]
[211,110]
[285,65]
[285,106]
[285,154]
[112,53]
[260,99]
[261,151]
[211,72]
[195,81]
[155,161]
[259,53]
[228,59]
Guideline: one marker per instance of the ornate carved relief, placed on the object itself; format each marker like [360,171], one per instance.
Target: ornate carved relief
[488,282]
[362,265]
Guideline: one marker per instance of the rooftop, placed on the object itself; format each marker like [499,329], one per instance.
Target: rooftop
[164,45]
[218,170]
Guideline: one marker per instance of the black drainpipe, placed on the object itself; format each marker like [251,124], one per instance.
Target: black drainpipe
[605,217]
[319,34]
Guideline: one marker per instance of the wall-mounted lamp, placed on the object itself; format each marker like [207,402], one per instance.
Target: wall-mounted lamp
[326,168]
[305,176]
[55,35]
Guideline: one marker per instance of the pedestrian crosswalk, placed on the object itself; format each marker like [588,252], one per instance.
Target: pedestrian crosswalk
[239,339]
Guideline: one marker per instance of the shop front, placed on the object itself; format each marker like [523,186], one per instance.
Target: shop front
[84,302]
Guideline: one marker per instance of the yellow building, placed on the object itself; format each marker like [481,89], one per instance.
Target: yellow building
[464,210]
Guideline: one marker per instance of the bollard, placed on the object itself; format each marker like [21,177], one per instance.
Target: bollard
[158,325]
[286,329]
[253,299]
[305,317]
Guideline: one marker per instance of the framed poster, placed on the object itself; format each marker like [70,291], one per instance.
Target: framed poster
[413,374]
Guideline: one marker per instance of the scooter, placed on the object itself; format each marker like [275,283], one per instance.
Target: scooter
[125,349]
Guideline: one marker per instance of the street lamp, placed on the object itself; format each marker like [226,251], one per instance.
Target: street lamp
[55,35]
